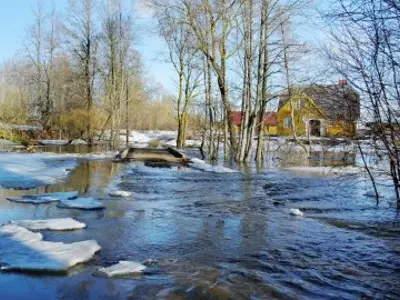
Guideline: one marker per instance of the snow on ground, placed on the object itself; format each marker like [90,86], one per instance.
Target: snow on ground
[53,142]
[24,250]
[201,165]
[86,203]
[188,143]
[25,171]
[79,142]
[45,198]
[50,224]
[122,268]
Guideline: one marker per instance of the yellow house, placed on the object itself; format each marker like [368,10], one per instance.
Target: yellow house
[319,110]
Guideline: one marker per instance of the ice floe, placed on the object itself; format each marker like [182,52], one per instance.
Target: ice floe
[296,212]
[81,203]
[26,171]
[50,224]
[45,198]
[24,250]
[201,165]
[122,194]
[120,269]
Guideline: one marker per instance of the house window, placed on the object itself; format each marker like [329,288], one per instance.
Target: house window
[287,122]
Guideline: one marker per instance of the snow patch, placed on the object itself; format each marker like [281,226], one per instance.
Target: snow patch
[53,142]
[24,250]
[296,212]
[45,198]
[6,142]
[79,142]
[120,269]
[81,203]
[122,194]
[50,224]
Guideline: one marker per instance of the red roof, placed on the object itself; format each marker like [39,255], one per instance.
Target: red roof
[269,118]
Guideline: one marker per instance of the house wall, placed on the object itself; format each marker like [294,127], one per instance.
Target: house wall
[304,110]
[341,129]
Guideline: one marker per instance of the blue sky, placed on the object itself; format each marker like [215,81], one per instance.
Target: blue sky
[17,15]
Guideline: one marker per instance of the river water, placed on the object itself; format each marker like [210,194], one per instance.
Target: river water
[221,236]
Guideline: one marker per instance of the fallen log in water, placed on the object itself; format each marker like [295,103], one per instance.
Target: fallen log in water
[152,155]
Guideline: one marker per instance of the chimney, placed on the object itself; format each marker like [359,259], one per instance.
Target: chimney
[342,82]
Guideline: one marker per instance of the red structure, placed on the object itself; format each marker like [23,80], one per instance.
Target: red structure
[269,118]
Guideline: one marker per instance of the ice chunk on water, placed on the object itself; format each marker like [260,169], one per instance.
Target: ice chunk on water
[50,224]
[81,203]
[201,165]
[123,194]
[296,212]
[121,268]
[24,250]
[45,198]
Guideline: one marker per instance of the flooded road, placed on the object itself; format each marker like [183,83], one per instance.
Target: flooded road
[220,236]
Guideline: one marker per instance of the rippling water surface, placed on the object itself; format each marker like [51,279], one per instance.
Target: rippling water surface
[221,236]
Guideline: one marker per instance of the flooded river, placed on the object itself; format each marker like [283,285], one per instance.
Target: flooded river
[220,236]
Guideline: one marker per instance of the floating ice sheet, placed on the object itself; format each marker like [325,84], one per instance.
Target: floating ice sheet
[50,224]
[122,194]
[122,268]
[45,198]
[201,165]
[81,203]
[24,250]
[26,171]
[296,212]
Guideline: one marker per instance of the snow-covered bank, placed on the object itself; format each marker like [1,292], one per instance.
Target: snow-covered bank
[25,171]
[24,250]
[50,224]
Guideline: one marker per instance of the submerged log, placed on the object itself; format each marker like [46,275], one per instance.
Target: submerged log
[152,155]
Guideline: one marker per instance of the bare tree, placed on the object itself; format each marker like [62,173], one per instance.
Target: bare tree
[183,56]
[366,52]
[82,39]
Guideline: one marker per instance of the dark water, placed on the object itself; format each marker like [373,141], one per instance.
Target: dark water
[221,236]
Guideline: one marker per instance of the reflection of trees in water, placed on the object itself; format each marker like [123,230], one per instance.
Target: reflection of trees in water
[88,175]
[253,224]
